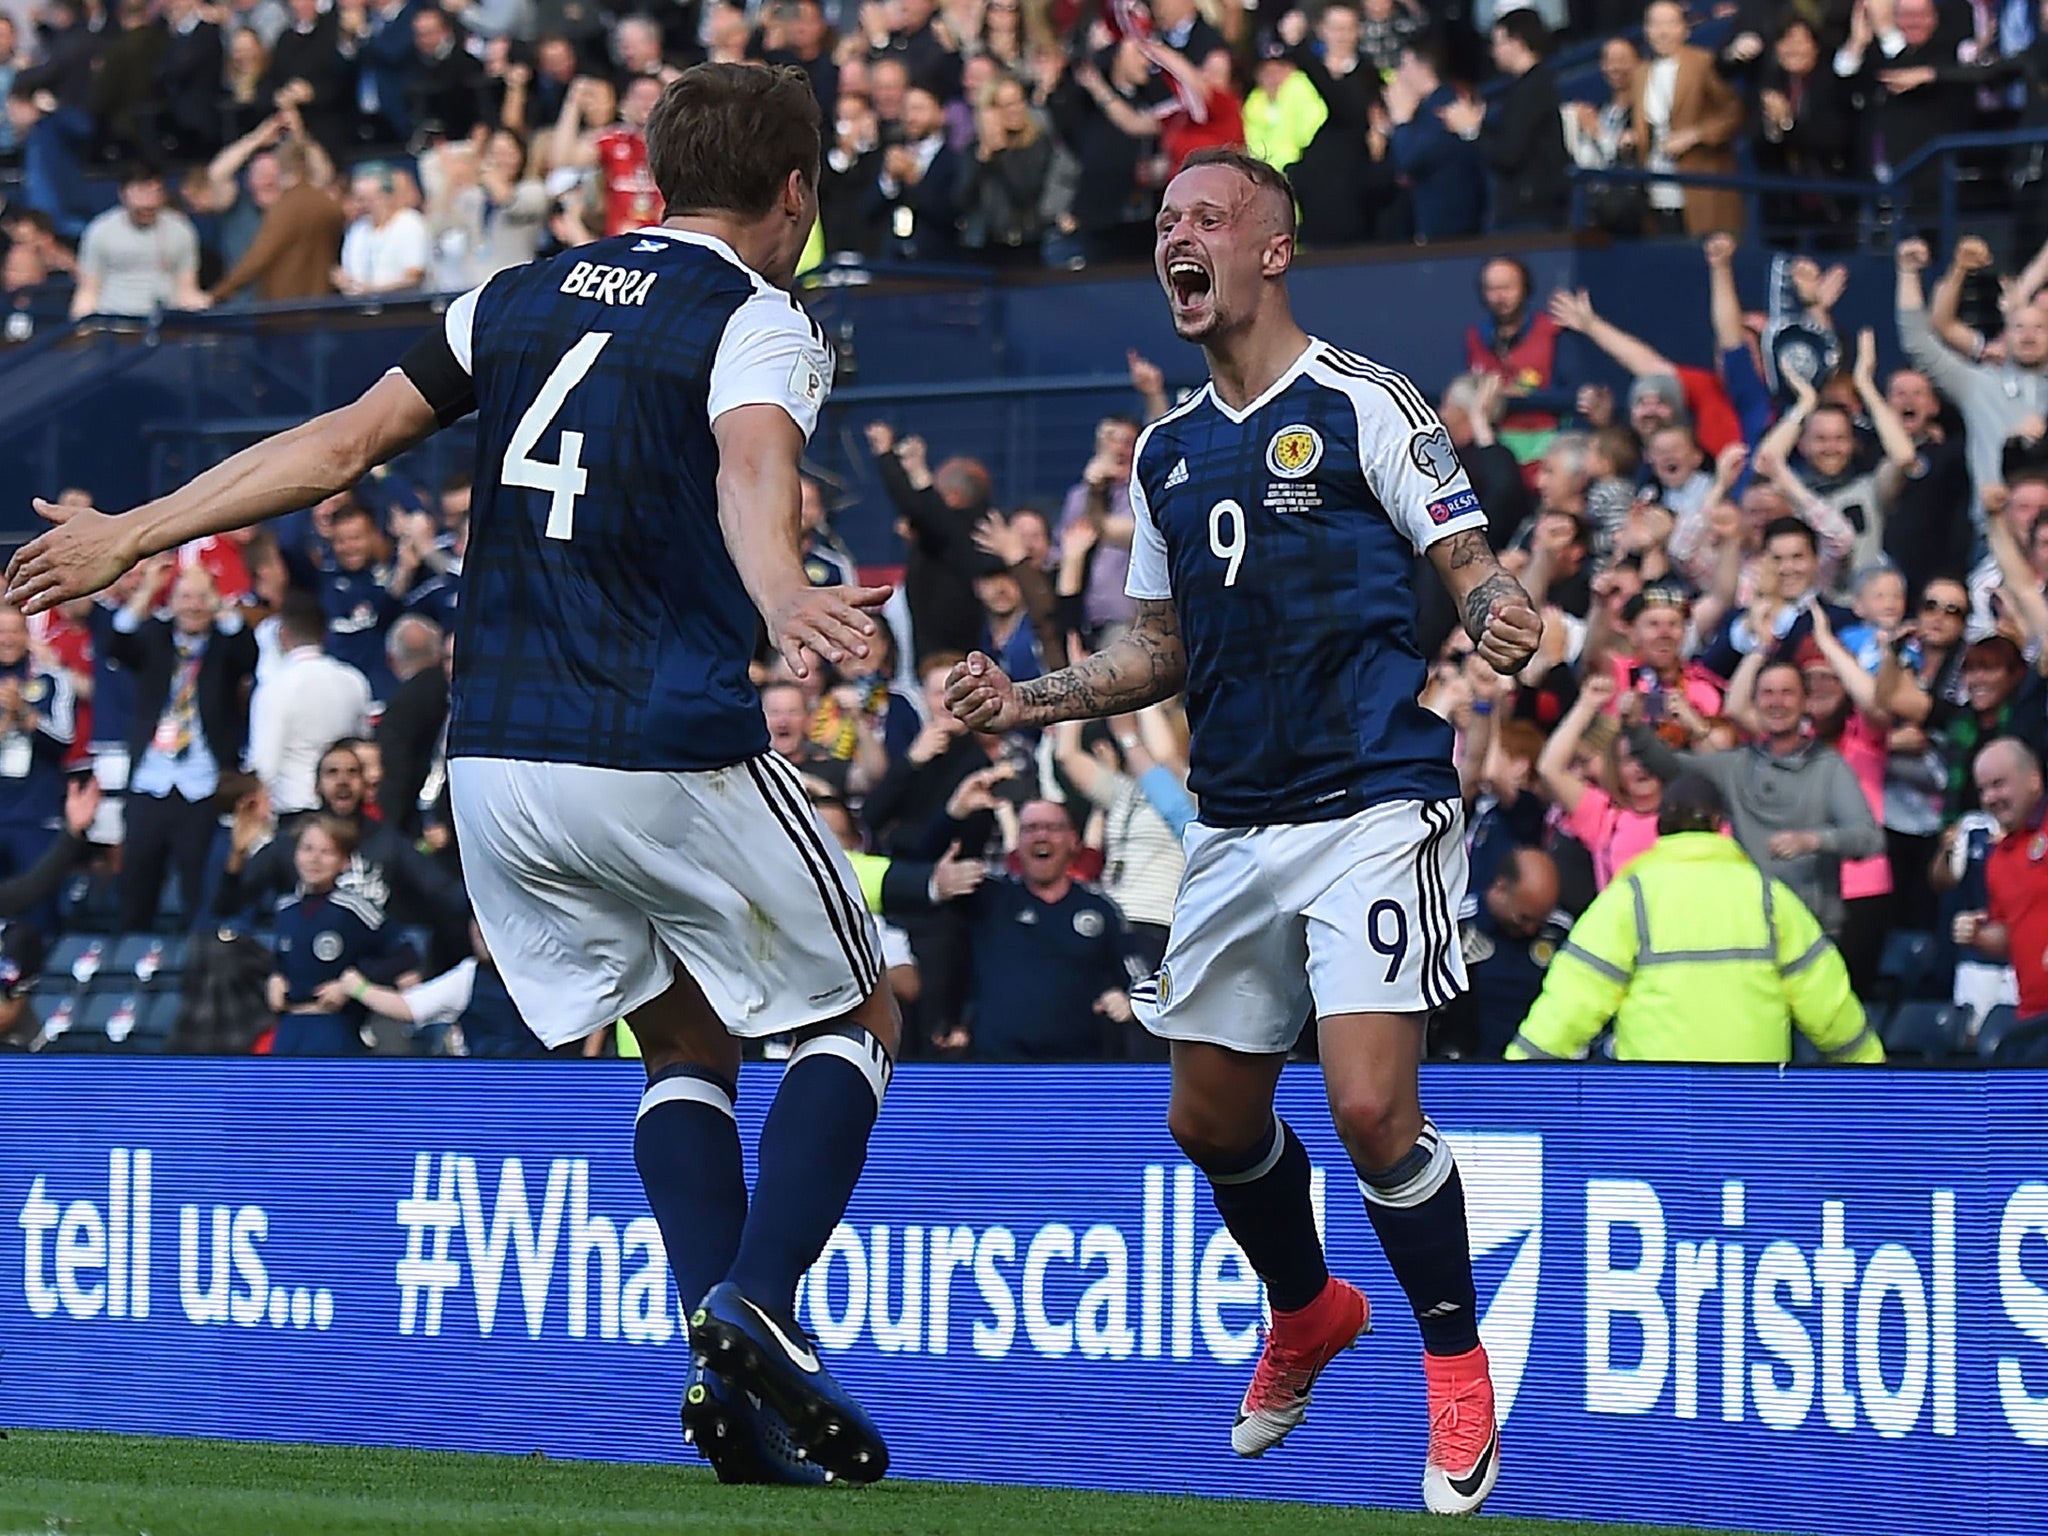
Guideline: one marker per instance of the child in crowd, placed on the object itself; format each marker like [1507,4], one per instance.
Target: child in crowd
[322,932]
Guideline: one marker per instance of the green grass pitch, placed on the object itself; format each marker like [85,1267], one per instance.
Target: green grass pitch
[109,1485]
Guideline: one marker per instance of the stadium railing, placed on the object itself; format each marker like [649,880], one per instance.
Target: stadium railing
[1884,204]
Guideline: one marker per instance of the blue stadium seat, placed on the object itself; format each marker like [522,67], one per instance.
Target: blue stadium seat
[76,1026]
[1924,1031]
[79,956]
[156,1022]
[2025,1044]
[56,1013]
[115,1016]
[1908,966]
[1999,1023]
[153,959]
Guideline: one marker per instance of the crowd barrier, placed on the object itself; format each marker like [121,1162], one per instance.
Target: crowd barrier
[1812,1302]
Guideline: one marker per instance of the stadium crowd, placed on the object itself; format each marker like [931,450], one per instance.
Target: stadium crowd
[1819,588]
[179,154]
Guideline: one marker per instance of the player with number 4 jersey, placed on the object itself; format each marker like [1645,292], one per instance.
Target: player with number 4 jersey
[1279,513]
[631,845]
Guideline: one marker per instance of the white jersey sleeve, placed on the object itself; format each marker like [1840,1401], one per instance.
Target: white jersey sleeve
[459,325]
[1409,461]
[772,353]
[444,999]
[1148,577]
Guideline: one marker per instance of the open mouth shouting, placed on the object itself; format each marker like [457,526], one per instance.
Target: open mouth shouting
[1192,288]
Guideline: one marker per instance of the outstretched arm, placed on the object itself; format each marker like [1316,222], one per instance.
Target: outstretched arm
[90,550]
[1574,311]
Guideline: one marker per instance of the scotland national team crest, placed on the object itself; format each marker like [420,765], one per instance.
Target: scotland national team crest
[1294,451]
[327,948]
[1088,924]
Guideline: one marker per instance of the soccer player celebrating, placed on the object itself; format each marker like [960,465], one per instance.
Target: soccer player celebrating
[631,845]
[1278,511]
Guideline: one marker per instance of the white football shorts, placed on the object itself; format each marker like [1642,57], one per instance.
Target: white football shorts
[1275,925]
[591,884]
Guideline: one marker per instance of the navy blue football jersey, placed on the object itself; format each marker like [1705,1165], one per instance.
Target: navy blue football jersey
[602,621]
[1285,537]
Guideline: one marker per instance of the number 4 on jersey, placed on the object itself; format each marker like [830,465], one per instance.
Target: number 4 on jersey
[565,479]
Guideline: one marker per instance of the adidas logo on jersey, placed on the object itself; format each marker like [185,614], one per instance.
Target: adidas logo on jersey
[1178,477]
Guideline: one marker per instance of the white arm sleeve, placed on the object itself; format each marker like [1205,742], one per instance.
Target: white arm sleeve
[459,325]
[1410,464]
[772,353]
[444,999]
[1148,574]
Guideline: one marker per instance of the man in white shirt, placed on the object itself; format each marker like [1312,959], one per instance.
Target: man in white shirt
[388,247]
[139,257]
[305,706]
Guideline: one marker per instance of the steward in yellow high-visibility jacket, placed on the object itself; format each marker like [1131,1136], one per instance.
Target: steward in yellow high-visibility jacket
[1696,956]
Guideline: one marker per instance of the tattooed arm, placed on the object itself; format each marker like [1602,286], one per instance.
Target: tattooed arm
[1147,665]
[1498,615]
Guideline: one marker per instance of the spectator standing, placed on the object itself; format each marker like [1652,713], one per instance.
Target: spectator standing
[1599,136]
[1615,816]
[1102,499]
[1069,938]
[187,112]
[1697,954]
[939,514]
[851,219]
[296,247]
[387,870]
[916,190]
[1795,805]
[388,248]
[1344,180]
[1900,58]
[1284,111]
[1521,133]
[379,38]
[1003,180]
[409,732]
[36,730]
[309,75]
[1141,854]
[140,257]
[1805,126]
[244,106]
[1686,120]
[788,713]
[1510,931]
[1516,343]
[1923,536]
[361,594]
[446,88]
[189,724]
[323,932]
[1993,397]
[2014,929]
[1108,212]
[1386,27]
[1446,176]
[310,702]
[125,82]
[1180,25]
